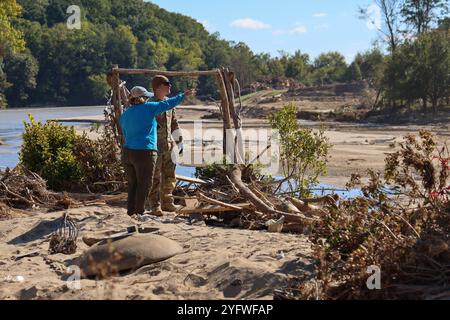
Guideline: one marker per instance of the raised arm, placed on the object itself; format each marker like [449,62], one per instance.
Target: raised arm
[166,105]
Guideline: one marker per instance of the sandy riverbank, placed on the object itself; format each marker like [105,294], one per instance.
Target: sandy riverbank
[217,264]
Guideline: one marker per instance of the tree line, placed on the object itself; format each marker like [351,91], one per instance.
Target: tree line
[48,63]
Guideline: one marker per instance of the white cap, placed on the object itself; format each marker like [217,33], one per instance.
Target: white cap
[138,92]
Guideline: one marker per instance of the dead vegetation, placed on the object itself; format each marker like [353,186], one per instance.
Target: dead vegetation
[401,225]
[23,189]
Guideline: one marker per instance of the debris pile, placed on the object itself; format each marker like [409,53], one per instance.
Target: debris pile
[23,189]
[239,197]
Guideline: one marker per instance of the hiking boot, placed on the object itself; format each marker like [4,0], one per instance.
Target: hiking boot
[157,212]
[170,207]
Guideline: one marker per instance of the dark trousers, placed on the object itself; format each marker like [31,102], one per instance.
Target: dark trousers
[139,167]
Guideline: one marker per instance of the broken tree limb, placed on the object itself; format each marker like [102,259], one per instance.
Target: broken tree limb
[261,195]
[305,207]
[191,180]
[18,196]
[211,209]
[202,197]
[236,177]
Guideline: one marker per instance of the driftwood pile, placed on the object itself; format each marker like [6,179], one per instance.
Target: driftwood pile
[22,190]
[238,198]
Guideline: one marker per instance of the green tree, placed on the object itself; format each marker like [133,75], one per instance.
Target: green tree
[47,149]
[121,47]
[21,70]
[304,152]
[329,67]
[11,40]
[242,63]
[431,66]
[298,66]
[353,72]
[35,10]
[421,15]
[371,64]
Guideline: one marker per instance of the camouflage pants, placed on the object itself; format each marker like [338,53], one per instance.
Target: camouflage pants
[164,181]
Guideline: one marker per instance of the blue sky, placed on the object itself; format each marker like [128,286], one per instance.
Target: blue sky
[312,26]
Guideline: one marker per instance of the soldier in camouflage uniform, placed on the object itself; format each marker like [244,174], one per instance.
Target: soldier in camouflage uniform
[161,198]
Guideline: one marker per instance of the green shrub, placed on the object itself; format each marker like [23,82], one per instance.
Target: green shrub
[304,152]
[47,149]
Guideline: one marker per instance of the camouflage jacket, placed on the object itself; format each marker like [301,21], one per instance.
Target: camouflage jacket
[167,124]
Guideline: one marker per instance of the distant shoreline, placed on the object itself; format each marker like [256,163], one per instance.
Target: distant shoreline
[49,107]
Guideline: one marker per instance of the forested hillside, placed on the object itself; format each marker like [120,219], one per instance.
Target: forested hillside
[51,64]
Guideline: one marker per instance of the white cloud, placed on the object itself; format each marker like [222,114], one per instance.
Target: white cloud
[320,15]
[299,30]
[249,23]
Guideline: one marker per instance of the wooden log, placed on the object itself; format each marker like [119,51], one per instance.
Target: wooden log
[202,197]
[190,180]
[261,196]
[211,209]
[236,177]
[305,207]
[229,81]
[164,73]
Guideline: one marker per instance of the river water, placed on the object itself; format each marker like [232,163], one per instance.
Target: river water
[11,127]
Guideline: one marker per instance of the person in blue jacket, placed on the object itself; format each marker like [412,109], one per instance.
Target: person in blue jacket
[139,154]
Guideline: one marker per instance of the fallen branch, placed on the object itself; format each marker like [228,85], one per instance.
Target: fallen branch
[236,177]
[201,196]
[210,210]
[17,195]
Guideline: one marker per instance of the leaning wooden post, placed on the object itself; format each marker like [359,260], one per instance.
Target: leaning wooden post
[117,103]
[238,143]
[225,109]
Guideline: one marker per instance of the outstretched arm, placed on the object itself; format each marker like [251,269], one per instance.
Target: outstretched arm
[166,105]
